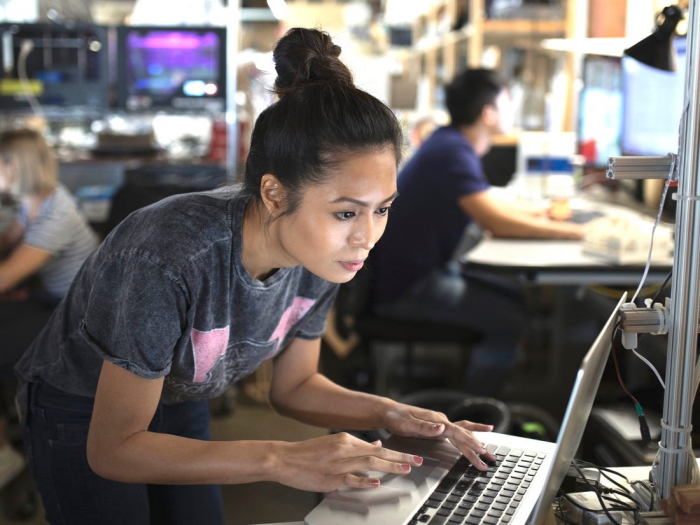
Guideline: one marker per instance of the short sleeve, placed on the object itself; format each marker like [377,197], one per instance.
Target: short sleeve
[49,231]
[314,325]
[136,313]
[464,174]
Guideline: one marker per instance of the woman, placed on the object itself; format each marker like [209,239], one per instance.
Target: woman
[195,292]
[47,241]
[50,237]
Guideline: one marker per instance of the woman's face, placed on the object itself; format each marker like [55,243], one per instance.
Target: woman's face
[339,221]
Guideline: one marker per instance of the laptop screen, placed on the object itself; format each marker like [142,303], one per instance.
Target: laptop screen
[577,412]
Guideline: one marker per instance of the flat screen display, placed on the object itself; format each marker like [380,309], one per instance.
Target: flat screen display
[600,110]
[172,68]
[653,104]
[57,66]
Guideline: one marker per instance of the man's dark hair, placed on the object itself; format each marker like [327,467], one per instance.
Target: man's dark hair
[469,92]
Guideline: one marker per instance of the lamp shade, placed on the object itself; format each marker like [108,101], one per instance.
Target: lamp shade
[656,50]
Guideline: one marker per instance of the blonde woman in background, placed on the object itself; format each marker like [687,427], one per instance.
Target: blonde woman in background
[41,250]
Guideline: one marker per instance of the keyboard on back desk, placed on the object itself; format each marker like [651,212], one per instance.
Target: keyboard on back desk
[467,495]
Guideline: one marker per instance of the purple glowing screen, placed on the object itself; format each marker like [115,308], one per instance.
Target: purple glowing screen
[160,62]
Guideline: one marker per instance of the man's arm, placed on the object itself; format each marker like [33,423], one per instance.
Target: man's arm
[509,222]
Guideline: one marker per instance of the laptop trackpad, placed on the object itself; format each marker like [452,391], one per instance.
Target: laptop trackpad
[395,494]
[406,482]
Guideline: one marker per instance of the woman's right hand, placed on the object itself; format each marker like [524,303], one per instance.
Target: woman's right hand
[331,462]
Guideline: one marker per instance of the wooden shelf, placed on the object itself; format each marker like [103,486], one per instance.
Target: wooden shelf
[459,35]
[536,28]
[440,52]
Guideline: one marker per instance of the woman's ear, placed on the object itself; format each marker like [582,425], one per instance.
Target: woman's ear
[272,193]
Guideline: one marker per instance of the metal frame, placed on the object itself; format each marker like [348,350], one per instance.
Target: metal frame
[676,457]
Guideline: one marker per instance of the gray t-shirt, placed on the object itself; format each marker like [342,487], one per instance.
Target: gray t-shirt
[166,294]
[61,230]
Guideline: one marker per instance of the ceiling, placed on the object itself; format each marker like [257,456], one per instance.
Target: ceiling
[114,12]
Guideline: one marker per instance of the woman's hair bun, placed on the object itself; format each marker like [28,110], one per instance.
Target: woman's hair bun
[306,56]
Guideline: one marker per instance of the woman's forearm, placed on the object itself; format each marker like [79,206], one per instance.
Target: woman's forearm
[149,457]
[320,402]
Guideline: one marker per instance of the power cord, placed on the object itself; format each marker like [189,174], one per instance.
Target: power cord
[605,496]
[643,425]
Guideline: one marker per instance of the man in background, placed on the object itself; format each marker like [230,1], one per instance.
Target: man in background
[442,191]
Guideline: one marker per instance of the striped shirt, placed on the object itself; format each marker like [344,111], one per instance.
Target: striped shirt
[61,230]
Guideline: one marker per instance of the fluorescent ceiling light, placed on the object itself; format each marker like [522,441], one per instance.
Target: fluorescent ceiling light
[591,46]
[279,9]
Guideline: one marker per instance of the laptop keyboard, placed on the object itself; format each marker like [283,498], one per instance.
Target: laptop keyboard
[467,495]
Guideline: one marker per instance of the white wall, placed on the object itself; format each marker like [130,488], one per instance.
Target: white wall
[19,10]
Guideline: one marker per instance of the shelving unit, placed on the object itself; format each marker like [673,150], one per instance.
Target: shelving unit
[453,34]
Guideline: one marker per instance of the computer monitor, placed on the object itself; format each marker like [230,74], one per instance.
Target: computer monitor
[60,66]
[171,68]
[653,103]
[600,110]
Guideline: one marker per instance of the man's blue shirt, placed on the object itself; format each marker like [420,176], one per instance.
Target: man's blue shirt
[426,223]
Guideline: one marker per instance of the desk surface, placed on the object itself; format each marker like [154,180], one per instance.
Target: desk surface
[565,262]
[558,262]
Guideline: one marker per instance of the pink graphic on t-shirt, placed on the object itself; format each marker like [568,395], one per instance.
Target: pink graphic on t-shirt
[208,348]
[291,315]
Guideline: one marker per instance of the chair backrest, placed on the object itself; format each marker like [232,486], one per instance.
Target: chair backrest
[148,184]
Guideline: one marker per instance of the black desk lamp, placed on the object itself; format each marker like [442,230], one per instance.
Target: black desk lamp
[656,50]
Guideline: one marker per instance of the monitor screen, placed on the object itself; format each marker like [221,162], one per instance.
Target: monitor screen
[600,110]
[176,68]
[653,103]
[54,65]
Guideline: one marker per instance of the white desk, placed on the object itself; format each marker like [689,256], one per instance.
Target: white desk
[558,262]
[563,264]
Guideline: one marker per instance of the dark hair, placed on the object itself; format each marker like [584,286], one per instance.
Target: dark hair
[468,94]
[320,119]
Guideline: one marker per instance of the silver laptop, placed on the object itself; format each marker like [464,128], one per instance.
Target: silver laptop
[517,489]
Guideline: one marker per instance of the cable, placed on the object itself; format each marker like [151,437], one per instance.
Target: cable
[27,47]
[656,223]
[663,285]
[624,491]
[617,365]
[603,506]
[606,496]
[643,425]
[653,369]
[605,473]
[640,336]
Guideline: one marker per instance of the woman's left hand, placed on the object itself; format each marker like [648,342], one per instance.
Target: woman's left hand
[410,421]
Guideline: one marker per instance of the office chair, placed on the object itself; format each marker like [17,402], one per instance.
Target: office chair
[354,314]
[147,184]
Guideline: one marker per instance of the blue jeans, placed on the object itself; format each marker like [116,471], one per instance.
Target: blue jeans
[55,435]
